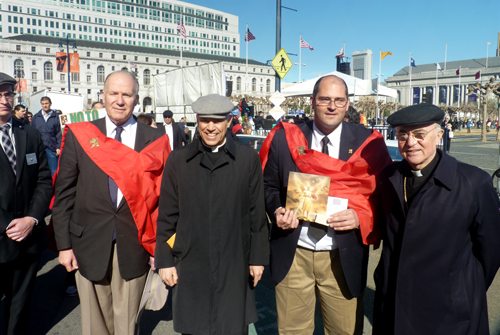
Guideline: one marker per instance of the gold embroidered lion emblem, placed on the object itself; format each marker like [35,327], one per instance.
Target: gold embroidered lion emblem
[301,150]
[94,142]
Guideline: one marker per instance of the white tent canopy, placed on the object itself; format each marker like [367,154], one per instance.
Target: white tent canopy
[355,86]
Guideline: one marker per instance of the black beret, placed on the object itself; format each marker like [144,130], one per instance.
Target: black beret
[168,113]
[5,79]
[213,105]
[416,115]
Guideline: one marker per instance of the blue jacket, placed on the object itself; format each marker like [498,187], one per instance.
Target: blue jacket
[50,129]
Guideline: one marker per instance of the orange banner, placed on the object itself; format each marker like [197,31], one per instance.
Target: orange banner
[21,85]
[62,65]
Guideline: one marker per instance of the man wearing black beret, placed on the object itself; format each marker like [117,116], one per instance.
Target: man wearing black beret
[25,191]
[441,225]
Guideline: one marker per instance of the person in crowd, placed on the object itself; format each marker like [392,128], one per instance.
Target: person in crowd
[186,130]
[310,260]
[175,134]
[20,115]
[447,133]
[258,121]
[352,116]
[106,195]
[96,105]
[147,119]
[220,248]
[26,189]
[29,116]
[46,121]
[441,225]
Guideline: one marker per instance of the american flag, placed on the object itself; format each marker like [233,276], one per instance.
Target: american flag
[181,30]
[304,44]
[249,36]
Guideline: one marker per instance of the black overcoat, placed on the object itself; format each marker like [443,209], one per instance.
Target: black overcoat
[217,212]
[438,259]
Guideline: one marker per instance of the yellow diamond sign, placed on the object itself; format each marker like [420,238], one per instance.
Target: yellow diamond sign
[281,63]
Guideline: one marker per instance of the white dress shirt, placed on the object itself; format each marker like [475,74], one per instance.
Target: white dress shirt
[328,241]
[169,130]
[128,138]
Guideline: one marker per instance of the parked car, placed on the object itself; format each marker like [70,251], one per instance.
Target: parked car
[255,141]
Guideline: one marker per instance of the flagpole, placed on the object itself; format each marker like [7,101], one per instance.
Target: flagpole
[410,95]
[378,83]
[436,90]
[459,87]
[246,61]
[300,59]
[445,55]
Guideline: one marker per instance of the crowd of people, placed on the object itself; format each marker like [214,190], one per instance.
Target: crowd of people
[131,200]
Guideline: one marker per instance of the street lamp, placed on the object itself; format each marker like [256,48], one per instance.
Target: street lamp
[67,41]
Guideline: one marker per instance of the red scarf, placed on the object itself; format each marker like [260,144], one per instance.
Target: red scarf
[354,179]
[137,174]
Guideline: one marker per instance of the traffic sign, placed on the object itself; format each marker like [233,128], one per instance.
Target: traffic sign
[281,63]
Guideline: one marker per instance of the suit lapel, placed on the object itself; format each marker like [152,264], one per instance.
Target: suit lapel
[21,142]
[347,143]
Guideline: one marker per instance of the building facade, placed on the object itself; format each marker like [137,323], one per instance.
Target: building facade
[144,23]
[28,51]
[441,83]
[362,64]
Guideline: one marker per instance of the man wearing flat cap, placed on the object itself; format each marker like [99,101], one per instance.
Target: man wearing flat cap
[212,204]
[25,191]
[174,132]
[441,226]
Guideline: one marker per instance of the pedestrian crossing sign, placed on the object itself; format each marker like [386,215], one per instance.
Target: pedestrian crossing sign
[281,63]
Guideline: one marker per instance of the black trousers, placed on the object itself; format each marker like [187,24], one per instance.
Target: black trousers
[17,279]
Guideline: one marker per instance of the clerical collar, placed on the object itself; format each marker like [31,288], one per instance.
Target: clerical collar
[213,149]
[428,169]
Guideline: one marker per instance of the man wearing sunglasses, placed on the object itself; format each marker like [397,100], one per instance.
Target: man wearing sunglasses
[441,226]
[309,260]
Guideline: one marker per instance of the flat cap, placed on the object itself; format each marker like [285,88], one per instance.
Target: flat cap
[213,105]
[5,79]
[416,115]
[168,113]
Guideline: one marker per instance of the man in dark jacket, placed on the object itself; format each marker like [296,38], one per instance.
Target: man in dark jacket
[212,199]
[46,121]
[309,259]
[441,226]
[25,191]
[175,133]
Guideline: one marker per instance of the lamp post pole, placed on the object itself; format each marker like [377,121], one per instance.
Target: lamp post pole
[67,41]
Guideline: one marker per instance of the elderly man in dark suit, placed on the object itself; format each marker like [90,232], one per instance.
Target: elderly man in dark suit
[106,197]
[24,199]
[308,259]
[441,226]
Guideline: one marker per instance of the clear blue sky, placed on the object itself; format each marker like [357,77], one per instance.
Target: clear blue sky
[421,28]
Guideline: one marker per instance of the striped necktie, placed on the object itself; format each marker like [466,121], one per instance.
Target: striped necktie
[8,146]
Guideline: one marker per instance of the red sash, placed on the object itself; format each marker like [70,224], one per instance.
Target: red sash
[137,174]
[354,179]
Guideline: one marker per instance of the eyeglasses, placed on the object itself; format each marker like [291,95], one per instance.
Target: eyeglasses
[326,101]
[7,95]
[418,134]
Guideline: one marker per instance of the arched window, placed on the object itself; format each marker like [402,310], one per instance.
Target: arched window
[48,71]
[268,85]
[101,76]
[254,84]
[146,77]
[18,68]
[238,83]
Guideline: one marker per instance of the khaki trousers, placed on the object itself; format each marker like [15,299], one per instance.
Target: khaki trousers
[317,273]
[110,306]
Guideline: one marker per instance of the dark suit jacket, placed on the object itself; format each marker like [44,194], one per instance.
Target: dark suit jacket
[85,218]
[25,194]
[353,254]
[178,135]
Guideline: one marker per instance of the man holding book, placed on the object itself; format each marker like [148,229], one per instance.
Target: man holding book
[329,260]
